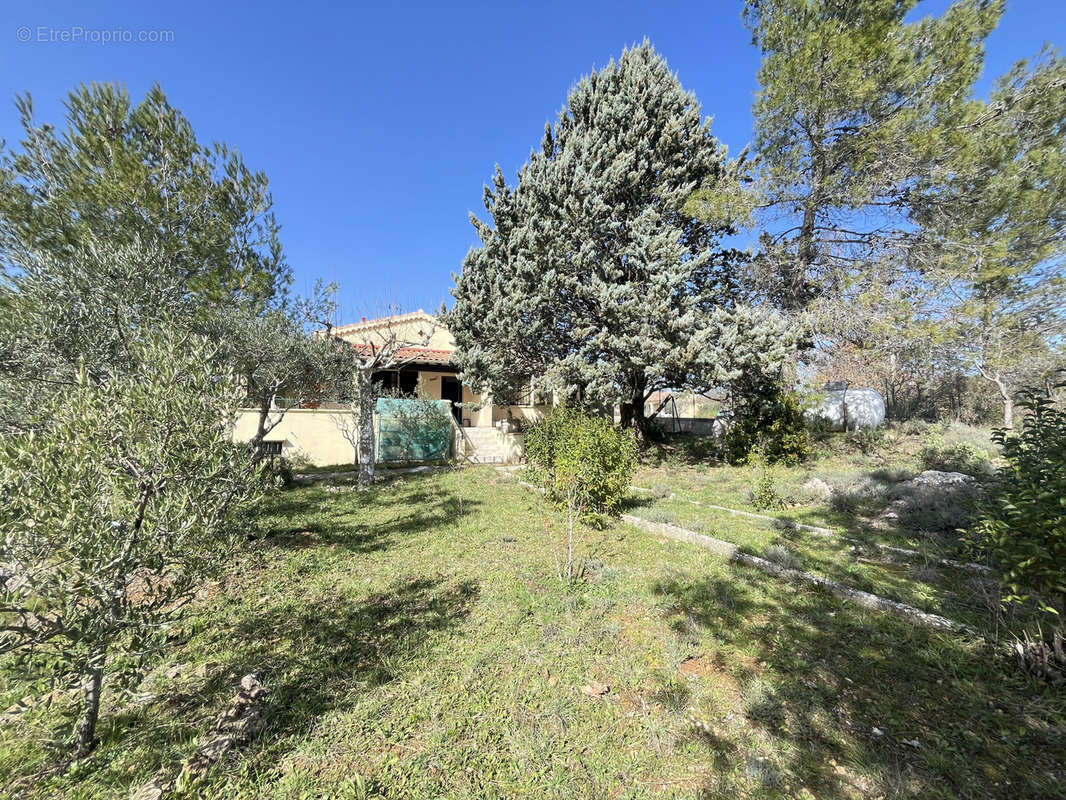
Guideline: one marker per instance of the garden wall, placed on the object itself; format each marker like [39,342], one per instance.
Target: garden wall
[309,435]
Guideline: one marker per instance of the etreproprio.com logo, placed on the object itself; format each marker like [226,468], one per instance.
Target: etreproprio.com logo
[78,34]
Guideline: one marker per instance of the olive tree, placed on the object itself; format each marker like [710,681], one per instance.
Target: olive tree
[359,355]
[114,512]
[279,363]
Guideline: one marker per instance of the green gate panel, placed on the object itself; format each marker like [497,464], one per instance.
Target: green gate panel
[413,430]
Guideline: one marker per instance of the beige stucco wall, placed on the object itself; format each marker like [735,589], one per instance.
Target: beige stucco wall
[422,330]
[311,436]
[526,415]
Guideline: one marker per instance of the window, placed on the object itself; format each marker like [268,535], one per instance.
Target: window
[403,382]
[530,396]
[270,448]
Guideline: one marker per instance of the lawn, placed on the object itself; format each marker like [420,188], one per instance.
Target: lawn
[417,642]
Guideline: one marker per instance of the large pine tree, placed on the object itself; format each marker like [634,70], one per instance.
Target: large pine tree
[592,278]
[854,108]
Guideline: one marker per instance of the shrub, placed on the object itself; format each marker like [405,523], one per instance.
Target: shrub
[959,456]
[814,492]
[866,440]
[542,441]
[981,438]
[582,457]
[914,427]
[783,557]
[660,515]
[774,426]
[936,509]
[764,493]
[1022,523]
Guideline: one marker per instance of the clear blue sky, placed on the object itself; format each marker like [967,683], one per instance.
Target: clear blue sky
[378,126]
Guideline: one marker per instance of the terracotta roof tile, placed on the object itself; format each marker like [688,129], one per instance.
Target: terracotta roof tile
[416,355]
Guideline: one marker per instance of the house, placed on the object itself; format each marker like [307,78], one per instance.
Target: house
[422,366]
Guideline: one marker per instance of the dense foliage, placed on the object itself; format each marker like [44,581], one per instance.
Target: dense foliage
[115,512]
[919,226]
[594,278]
[145,297]
[771,425]
[966,457]
[135,175]
[853,107]
[582,458]
[1022,526]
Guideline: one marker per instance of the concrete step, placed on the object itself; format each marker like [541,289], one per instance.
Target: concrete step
[483,446]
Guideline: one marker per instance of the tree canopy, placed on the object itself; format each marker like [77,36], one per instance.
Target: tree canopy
[853,109]
[126,173]
[593,276]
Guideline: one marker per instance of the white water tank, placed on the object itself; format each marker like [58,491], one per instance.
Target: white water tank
[851,408]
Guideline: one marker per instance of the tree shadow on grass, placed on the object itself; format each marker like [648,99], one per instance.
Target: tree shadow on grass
[636,500]
[682,449]
[306,519]
[314,659]
[850,704]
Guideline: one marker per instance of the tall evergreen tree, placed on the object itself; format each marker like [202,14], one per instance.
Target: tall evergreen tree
[592,278]
[994,229]
[853,109]
[130,173]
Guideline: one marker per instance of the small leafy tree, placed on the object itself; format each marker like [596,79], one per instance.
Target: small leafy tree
[586,464]
[279,364]
[114,512]
[1022,523]
[360,354]
[584,456]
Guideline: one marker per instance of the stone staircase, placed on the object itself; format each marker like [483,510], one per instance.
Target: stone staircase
[482,446]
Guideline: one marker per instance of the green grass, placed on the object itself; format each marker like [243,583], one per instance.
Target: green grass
[416,650]
[871,479]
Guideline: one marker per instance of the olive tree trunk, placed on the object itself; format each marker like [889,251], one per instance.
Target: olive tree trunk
[366,429]
[85,735]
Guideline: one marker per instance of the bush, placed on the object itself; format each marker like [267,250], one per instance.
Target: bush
[1022,523]
[277,471]
[959,456]
[783,557]
[866,440]
[814,492]
[582,458]
[764,493]
[773,426]
[914,427]
[979,437]
[660,515]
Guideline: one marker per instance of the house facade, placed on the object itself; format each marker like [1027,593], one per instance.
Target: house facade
[422,366]
[424,352]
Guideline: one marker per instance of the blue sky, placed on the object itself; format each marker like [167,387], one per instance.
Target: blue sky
[378,126]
